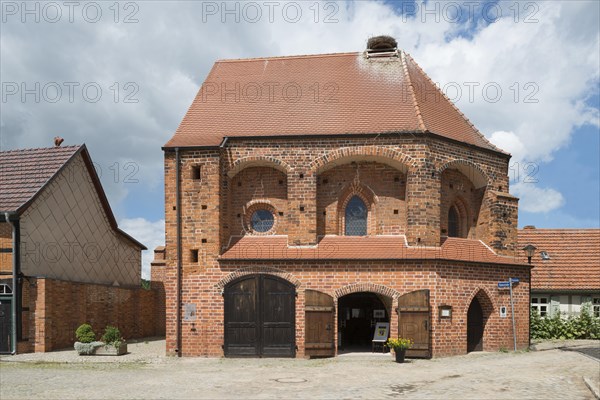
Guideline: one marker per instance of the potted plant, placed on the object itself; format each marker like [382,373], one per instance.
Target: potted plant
[86,343]
[114,344]
[399,346]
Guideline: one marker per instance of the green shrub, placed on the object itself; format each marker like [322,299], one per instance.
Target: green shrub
[583,326]
[85,334]
[112,335]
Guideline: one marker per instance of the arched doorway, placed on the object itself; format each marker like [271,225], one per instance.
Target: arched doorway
[358,313]
[475,326]
[260,317]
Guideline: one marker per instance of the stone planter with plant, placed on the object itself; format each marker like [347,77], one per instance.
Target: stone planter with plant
[86,343]
[399,346]
[112,343]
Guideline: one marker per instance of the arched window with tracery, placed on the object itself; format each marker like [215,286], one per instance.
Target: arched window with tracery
[453,222]
[356,217]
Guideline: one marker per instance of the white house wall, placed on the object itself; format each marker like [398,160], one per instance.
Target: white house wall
[568,304]
[65,234]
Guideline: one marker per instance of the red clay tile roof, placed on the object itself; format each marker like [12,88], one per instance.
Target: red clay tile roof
[362,248]
[327,94]
[23,173]
[574,262]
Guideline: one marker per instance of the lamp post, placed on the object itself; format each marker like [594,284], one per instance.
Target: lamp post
[530,251]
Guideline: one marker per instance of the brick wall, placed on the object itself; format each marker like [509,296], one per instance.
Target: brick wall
[449,284]
[157,283]
[381,187]
[458,191]
[57,308]
[257,187]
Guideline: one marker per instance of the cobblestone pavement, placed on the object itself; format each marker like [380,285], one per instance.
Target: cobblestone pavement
[549,374]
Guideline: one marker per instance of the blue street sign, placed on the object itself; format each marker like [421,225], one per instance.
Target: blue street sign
[503,285]
[514,280]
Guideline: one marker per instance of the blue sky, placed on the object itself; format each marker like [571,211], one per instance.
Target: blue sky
[159,57]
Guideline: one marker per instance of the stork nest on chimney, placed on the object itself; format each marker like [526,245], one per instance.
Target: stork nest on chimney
[383,42]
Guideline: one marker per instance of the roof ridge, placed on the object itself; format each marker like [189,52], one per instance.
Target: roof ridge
[453,105]
[412,91]
[73,146]
[228,60]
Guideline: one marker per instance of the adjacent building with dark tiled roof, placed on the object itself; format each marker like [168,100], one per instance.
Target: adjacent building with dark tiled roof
[566,270]
[309,198]
[62,255]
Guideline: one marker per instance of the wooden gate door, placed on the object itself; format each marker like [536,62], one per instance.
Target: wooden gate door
[414,322]
[319,323]
[5,326]
[475,327]
[260,317]
[277,300]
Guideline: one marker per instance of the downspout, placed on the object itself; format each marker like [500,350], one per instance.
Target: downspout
[178,286]
[15,287]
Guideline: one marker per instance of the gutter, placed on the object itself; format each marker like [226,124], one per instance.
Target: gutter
[342,135]
[15,272]
[179,250]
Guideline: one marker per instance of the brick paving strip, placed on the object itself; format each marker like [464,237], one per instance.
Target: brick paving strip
[145,373]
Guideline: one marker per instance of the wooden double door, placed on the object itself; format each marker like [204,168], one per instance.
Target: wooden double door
[260,317]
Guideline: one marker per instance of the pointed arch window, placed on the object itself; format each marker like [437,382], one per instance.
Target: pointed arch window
[453,222]
[356,217]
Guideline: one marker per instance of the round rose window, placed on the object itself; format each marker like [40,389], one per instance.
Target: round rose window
[262,220]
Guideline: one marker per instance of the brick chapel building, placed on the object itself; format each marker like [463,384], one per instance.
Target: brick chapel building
[309,198]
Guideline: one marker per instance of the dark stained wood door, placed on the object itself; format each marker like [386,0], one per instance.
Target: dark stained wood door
[414,322]
[319,324]
[277,301]
[5,326]
[260,317]
[475,327]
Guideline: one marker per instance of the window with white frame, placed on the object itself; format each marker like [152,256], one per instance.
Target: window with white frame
[596,306]
[5,289]
[541,304]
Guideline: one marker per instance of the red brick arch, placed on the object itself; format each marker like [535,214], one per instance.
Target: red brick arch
[258,161]
[464,216]
[366,287]
[485,299]
[345,155]
[264,270]
[472,171]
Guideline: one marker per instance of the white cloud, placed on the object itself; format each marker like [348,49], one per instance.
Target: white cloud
[510,142]
[151,234]
[537,200]
[169,52]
